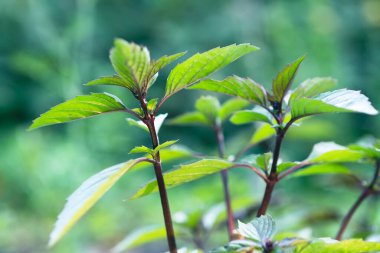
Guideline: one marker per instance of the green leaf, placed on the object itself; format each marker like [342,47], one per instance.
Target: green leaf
[313,87]
[286,165]
[152,104]
[324,168]
[201,65]
[248,116]
[190,118]
[332,102]
[140,237]
[137,123]
[332,152]
[236,86]
[136,58]
[238,246]
[184,174]
[347,246]
[163,145]
[141,149]
[111,80]
[119,64]
[79,108]
[209,106]
[263,133]
[86,196]
[230,106]
[283,81]
[259,230]
[159,64]
[158,121]
[264,161]
[369,146]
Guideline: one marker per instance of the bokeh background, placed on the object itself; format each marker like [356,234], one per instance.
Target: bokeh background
[48,49]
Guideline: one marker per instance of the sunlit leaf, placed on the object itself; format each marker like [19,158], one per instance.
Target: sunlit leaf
[263,133]
[347,246]
[140,237]
[230,106]
[111,80]
[283,81]
[332,102]
[208,106]
[184,174]
[158,121]
[324,168]
[238,246]
[248,116]
[137,123]
[236,86]
[141,149]
[164,145]
[86,196]
[201,65]
[151,105]
[78,108]
[313,87]
[332,152]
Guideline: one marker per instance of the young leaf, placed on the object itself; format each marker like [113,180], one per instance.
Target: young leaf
[265,227]
[184,174]
[236,86]
[190,118]
[209,106]
[332,152]
[86,196]
[138,124]
[230,106]
[263,133]
[111,80]
[263,161]
[163,145]
[313,87]
[79,108]
[158,121]
[136,58]
[248,116]
[140,237]
[332,102]
[141,149]
[201,65]
[283,81]
[118,62]
[152,104]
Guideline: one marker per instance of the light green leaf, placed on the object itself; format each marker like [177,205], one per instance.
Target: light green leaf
[283,81]
[201,65]
[369,146]
[264,161]
[141,149]
[236,86]
[140,237]
[111,80]
[324,168]
[248,116]
[119,64]
[209,106]
[332,102]
[79,108]
[152,104]
[347,246]
[159,64]
[137,123]
[238,246]
[164,145]
[158,121]
[86,196]
[332,152]
[285,166]
[184,174]
[230,106]
[265,227]
[136,58]
[263,133]
[190,118]
[313,87]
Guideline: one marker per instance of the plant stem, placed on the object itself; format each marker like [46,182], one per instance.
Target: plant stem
[367,191]
[273,176]
[224,173]
[149,121]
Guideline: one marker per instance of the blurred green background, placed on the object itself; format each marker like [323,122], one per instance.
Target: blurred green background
[48,49]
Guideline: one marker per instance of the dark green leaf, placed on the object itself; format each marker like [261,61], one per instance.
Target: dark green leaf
[236,86]
[184,174]
[201,65]
[283,81]
[332,102]
[79,108]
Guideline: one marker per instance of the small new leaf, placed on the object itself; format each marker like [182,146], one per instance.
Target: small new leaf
[79,108]
[184,174]
[163,145]
[201,65]
[283,81]
[152,104]
[141,149]
[86,196]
